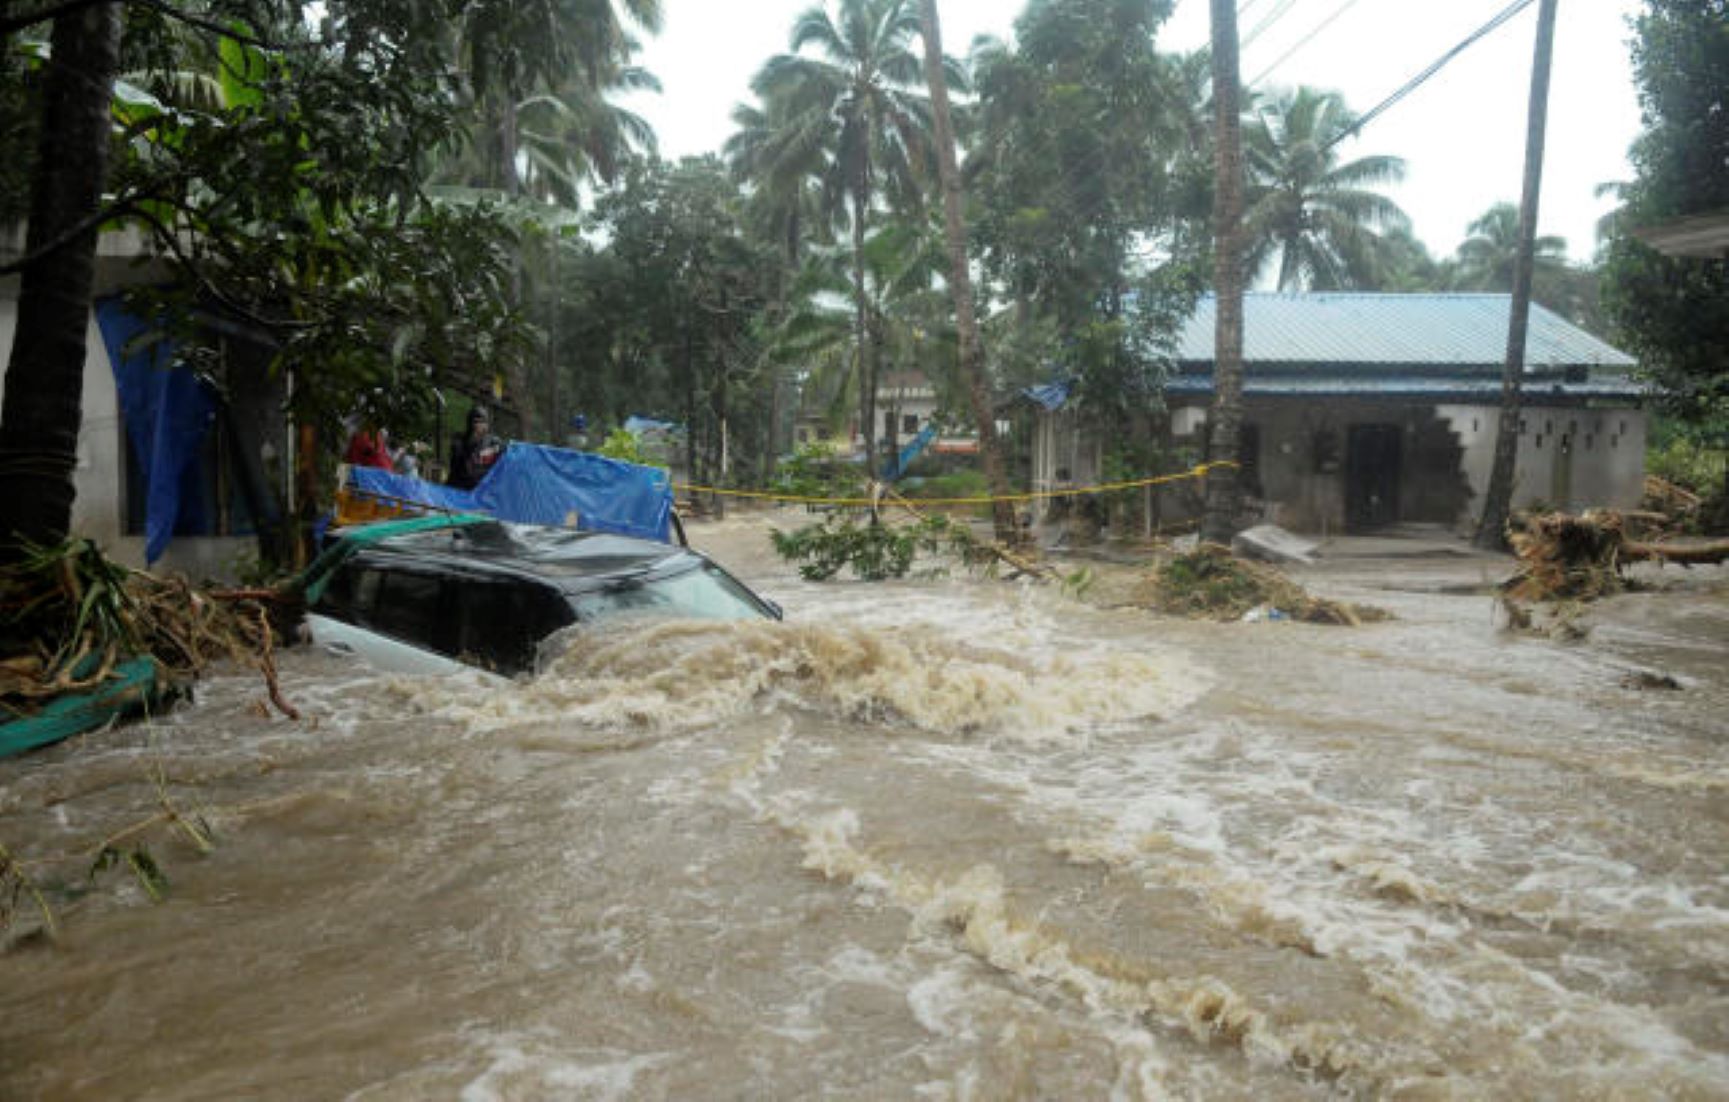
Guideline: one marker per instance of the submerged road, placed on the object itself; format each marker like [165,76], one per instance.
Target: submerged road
[946,839]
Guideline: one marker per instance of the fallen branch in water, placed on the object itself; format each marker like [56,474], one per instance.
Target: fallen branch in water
[124,848]
[1567,557]
[72,615]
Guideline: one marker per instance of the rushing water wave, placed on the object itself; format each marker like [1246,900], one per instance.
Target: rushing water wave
[957,839]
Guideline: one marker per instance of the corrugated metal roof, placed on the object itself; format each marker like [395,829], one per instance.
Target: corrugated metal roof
[1327,329]
[1440,388]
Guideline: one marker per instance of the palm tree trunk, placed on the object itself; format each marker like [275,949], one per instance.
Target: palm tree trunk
[1497,502]
[972,350]
[43,407]
[1219,521]
[867,383]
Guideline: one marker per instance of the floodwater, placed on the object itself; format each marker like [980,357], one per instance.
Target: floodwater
[959,839]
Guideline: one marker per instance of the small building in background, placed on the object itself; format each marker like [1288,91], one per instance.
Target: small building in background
[1362,411]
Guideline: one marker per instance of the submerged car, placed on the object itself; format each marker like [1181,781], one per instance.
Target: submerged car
[437,595]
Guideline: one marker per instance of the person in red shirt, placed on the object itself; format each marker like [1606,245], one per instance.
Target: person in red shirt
[369,449]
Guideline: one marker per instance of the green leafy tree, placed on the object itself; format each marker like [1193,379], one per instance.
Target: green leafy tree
[292,204]
[1088,185]
[855,97]
[1673,312]
[684,287]
[1305,213]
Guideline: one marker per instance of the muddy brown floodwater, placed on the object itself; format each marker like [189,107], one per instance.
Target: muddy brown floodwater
[958,839]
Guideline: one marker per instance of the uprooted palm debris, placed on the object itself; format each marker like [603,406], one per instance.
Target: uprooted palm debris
[1210,583]
[72,616]
[1580,558]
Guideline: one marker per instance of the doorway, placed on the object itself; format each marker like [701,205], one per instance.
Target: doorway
[1373,456]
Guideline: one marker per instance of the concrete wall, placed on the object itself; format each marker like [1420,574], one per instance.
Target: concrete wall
[1569,457]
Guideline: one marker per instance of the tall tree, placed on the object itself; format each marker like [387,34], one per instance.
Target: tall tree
[1490,256]
[1089,206]
[1219,521]
[294,208]
[1492,527]
[1673,312]
[42,413]
[861,80]
[1316,216]
[972,352]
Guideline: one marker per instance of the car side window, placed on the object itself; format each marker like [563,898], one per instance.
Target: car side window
[502,622]
[407,606]
[350,595]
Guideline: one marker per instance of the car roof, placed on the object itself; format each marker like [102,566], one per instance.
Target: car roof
[561,557]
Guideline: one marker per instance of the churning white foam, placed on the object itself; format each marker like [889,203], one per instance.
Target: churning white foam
[680,675]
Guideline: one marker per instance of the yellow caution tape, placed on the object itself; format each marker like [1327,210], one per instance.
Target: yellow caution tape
[1199,471]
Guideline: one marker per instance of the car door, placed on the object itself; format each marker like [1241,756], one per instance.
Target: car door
[395,619]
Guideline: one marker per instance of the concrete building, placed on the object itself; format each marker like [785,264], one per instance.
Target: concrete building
[906,403]
[1364,410]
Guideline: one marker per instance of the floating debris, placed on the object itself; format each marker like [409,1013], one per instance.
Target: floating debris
[1209,583]
[1581,558]
[74,618]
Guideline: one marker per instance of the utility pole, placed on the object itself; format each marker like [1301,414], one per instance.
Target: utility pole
[972,352]
[1497,502]
[1218,524]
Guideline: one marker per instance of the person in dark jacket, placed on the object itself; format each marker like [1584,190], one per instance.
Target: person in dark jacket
[474,452]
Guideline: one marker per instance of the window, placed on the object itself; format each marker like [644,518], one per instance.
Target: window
[706,593]
[407,607]
[500,624]
[888,424]
[910,423]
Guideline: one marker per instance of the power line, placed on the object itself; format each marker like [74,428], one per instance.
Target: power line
[1411,85]
[1282,9]
[1305,40]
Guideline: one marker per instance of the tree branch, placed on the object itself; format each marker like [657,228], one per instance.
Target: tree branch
[69,7]
[166,9]
[70,234]
[19,22]
[168,237]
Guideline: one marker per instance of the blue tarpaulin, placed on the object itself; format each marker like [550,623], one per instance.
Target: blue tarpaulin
[168,412]
[539,484]
[388,486]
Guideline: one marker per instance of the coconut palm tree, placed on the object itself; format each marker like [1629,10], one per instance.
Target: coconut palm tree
[1317,216]
[782,156]
[854,96]
[1486,258]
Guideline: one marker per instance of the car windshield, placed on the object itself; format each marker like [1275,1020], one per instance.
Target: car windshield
[703,593]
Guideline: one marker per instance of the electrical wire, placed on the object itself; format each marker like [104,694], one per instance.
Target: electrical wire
[1415,82]
[1282,9]
[1305,40]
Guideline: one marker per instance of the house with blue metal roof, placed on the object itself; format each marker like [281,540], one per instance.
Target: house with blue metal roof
[1363,410]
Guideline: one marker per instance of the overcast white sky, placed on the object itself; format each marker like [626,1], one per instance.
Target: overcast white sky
[1462,134]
